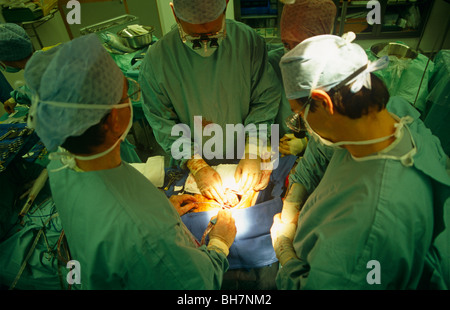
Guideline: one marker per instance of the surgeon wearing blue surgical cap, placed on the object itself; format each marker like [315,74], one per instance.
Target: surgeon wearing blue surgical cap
[209,71]
[368,205]
[15,51]
[122,230]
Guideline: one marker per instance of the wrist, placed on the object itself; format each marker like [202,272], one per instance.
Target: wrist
[284,250]
[195,165]
[217,244]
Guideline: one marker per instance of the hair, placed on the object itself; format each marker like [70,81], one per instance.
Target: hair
[91,138]
[356,105]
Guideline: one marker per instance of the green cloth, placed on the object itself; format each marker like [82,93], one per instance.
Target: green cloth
[235,85]
[407,78]
[359,211]
[438,101]
[33,243]
[126,234]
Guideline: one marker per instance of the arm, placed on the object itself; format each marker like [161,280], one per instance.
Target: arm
[312,166]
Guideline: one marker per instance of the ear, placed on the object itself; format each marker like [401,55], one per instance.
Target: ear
[322,96]
[112,122]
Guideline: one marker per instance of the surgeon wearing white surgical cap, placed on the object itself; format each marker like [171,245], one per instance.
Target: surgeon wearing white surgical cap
[373,214]
[122,230]
[217,70]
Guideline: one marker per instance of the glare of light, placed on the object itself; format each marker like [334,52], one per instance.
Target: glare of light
[242,221]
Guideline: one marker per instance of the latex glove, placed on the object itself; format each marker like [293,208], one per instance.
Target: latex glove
[293,202]
[266,171]
[183,203]
[282,235]
[9,105]
[248,174]
[290,145]
[223,233]
[264,181]
[208,180]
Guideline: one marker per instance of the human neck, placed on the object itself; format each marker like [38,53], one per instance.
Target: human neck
[107,161]
[370,127]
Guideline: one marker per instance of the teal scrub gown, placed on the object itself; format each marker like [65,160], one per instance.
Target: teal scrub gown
[377,210]
[235,85]
[125,233]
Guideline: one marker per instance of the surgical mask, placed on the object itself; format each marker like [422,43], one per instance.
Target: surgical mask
[68,159]
[406,159]
[9,69]
[203,45]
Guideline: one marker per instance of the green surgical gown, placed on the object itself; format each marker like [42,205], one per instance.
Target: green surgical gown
[371,220]
[125,233]
[235,85]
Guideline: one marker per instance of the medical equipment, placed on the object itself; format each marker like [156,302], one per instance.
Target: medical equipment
[297,125]
[173,177]
[37,186]
[208,229]
[137,36]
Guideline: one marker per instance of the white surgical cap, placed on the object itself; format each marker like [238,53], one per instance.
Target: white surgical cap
[15,44]
[199,11]
[322,62]
[81,72]
[306,18]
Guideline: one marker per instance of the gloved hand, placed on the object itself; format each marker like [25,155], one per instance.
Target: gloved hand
[9,105]
[183,203]
[208,180]
[282,235]
[290,145]
[223,233]
[248,174]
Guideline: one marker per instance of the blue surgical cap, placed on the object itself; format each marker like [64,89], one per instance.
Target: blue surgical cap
[15,44]
[322,62]
[79,72]
[199,11]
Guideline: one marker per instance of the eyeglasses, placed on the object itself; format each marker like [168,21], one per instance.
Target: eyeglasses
[198,41]
[296,123]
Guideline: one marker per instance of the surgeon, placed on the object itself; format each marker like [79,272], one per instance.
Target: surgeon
[300,19]
[204,76]
[371,216]
[122,230]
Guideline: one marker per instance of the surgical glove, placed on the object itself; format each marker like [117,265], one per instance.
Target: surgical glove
[223,233]
[208,180]
[282,235]
[290,145]
[293,202]
[248,174]
[9,105]
[183,203]
[289,213]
